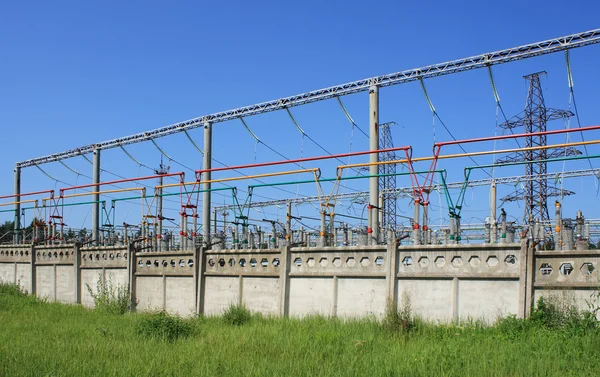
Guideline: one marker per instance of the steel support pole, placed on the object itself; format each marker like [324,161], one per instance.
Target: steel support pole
[96,198]
[17,224]
[558,242]
[323,237]
[288,223]
[416,226]
[159,215]
[374,157]
[493,230]
[206,177]
[425,223]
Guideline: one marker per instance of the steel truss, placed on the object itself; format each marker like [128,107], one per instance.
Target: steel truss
[461,65]
[408,191]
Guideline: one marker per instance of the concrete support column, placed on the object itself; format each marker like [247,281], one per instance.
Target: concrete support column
[17,238]
[374,157]
[207,163]
[323,238]
[416,226]
[557,226]
[392,271]
[334,299]
[425,223]
[288,223]
[32,262]
[199,278]
[159,215]
[95,198]
[524,300]
[131,266]
[530,278]
[77,273]
[284,281]
[503,227]
[215,230]
[455,300]
[493,231]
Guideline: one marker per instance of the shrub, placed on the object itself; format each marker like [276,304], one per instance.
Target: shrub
[552,313]
[163,326]
[110,298]
[10,289]
[401,320]
[237,315]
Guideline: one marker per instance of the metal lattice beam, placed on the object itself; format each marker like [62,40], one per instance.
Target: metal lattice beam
[408,191]
[461,65]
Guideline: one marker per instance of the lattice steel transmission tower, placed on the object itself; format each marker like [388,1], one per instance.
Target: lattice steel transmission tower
[387,184]
[534,119]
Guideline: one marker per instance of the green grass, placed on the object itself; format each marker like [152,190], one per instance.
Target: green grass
[48,339]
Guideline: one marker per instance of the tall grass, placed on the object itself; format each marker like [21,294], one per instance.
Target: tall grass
[110,298]
[49,339]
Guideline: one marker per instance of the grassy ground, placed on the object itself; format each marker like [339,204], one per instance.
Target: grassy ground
[43,339]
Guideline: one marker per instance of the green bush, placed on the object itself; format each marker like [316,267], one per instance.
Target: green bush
[237,315]
[552,313]
[10,289]
[400,320]
[109,298]
[163,326]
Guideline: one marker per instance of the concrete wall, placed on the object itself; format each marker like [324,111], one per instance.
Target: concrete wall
[440,283]
[569,276]
[459,282]
[106,265]
[165,281]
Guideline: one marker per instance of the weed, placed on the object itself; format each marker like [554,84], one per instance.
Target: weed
[9,289]
[554,313]
[110,298]
[163,326]
[237,315]
[401,320]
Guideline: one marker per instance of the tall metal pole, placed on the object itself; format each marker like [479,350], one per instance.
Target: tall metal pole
[558,242]
[206,177]
[159,215]
[288,223]
[374,157]
[96,198]
[493,232]
[17,224]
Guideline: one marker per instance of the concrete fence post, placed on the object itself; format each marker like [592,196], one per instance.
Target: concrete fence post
[199,278]
[77,272]
[523,279]
[131,266]
[529,290]
[392,271]
[32,287]
[284,281]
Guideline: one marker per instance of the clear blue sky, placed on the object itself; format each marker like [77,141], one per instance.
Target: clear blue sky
[75,73]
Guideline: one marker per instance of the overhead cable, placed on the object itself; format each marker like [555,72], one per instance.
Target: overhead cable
[442,122]
[349,117]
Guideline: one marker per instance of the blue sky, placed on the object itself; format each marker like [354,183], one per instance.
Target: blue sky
[75,73]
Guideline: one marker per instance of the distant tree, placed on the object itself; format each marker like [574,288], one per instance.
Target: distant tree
[6,231]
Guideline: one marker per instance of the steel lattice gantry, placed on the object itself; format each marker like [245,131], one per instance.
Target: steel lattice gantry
[479,61]
[408,191]
[371,85]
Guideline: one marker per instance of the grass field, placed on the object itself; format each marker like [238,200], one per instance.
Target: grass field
[48,339]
